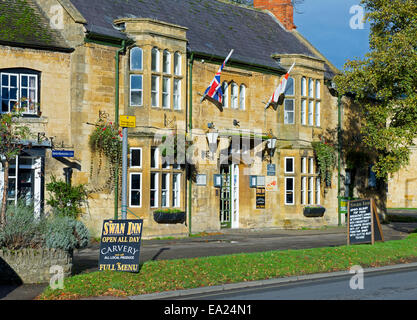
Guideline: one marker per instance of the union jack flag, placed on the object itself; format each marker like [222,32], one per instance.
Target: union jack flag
[278,94]
[214,92]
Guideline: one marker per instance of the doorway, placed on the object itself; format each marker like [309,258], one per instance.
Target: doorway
[229,196]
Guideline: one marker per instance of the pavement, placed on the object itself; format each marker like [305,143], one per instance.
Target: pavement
[212,244]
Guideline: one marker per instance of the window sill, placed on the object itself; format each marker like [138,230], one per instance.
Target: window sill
[32,119]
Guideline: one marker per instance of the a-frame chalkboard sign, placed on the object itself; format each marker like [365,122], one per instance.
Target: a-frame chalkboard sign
[363,222]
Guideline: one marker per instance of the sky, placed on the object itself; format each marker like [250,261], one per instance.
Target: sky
[327,25]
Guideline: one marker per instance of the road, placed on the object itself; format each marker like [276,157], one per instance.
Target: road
[385,285]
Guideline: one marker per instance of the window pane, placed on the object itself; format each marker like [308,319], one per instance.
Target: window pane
[135,181]
[4,93]
[136,82]
[289,90]
[242,97]
[136,59]
[303,112]
[289,165]
[318,114]
[155,91]
[234,96]
[310,88]
[177,63]
[289,111]
[155,59]
[165,92]
[177,94]
[135,198]
[167,62]
[135,157]
[225,89]
[303,86]
[24,81]
[136,98]
[4,80]
[13,81]
[318,87]
[154,157]
[310,112]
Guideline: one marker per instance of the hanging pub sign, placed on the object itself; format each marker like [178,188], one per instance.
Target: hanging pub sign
[260,198]
[120,245]
[363,222]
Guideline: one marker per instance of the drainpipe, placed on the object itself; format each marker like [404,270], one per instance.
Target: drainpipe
[190,127]
[116,120]
[339,149]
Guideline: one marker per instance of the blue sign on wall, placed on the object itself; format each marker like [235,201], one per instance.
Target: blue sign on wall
[62,153]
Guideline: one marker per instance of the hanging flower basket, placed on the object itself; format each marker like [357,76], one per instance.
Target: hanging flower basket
[169,216]
[314,211]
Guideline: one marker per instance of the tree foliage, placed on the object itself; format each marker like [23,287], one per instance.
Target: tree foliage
[384,83]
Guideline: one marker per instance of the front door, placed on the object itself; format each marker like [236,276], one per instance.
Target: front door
[225,195]
[229,196]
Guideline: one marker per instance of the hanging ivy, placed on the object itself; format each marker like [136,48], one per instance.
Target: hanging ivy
[325,154]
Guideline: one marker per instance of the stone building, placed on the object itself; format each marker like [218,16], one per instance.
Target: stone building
[100,59]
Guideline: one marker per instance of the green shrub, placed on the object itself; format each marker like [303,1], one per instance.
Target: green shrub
[66,233]
[66,200]
[22,229]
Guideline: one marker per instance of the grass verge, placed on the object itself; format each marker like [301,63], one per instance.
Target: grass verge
[159,276]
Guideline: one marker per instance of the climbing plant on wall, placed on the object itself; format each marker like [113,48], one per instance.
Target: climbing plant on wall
[325,154]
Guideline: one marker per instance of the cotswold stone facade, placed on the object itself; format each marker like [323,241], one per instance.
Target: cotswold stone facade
[161,60]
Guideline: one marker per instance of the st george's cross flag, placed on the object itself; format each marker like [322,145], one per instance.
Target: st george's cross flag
[278,93]
[214,92]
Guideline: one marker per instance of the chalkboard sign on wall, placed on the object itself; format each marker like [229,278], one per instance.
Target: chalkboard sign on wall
[363,222]
[120,245]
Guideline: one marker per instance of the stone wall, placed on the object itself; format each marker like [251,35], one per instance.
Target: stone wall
[31,266]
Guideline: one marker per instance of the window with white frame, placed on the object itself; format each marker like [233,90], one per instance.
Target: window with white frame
[176,190]
[166,62]
[136,158]
[136,59]
[310,113]
[304,112]
[318,190]
[310,191]
[310,182]
[317,114]
[318,89]
[303,189]
[136,90]
[289,191]
[289,111]
[177,63]
[154,184]
[155,60]
[135,199]
[289,89]
[311,88]
[155,91]
[289,165]
[303,87]
[225,88]
[165,190]
[177,94]
[166,88]
[242,97]
[154,157]
[19,88]
[234,96]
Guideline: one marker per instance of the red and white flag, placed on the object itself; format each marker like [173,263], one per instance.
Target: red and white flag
[279,90]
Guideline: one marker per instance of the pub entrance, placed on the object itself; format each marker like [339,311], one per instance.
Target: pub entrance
[229,196]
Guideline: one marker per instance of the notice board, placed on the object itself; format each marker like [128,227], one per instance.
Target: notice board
[363,222]
[120,245]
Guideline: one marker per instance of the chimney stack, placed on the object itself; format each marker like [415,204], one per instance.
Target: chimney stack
[283,10]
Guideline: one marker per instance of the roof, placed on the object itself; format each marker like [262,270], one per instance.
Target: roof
[22,23]
[214,27]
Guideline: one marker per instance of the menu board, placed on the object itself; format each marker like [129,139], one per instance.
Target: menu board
[120,245]
[363,222]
